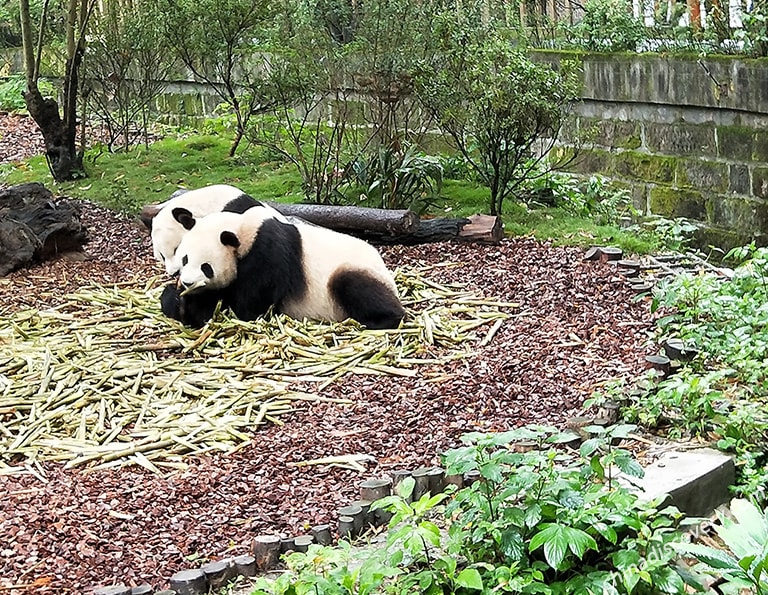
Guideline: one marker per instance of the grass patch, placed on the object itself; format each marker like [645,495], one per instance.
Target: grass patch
[126,181]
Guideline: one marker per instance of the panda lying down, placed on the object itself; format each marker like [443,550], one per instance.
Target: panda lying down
[253,260]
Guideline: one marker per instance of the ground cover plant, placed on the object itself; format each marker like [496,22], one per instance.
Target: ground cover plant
[541,521]
[721,394]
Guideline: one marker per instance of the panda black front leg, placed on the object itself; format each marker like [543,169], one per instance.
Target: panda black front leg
[194,309]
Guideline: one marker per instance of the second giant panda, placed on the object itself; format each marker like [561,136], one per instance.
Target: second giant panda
[166,231]
[254,261]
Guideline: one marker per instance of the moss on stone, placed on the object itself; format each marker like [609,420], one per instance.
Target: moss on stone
[735,142]
[760,147]
[676,202]
[645,167]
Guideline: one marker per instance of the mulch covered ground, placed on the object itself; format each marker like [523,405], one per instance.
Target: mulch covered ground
[576,327]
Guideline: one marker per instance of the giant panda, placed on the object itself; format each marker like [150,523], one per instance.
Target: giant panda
[254,261]
[166,231]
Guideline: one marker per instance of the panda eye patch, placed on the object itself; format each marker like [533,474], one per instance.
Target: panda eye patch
[207,270]
[185,260]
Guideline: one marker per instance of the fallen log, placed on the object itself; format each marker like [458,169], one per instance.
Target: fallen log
[387,226]
[351,218]
[480,229]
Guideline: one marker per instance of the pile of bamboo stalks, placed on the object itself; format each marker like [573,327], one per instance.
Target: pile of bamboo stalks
[106,380]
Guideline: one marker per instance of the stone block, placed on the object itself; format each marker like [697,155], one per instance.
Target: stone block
[760,182]
[703,174]
[735,142]
[611,133]
[676,202]
[644,167]
[696,481]
[738,179]
[742,215]
[760,147]
[680,139]
[590,161]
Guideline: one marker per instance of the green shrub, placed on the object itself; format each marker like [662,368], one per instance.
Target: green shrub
[12,93]
[542,521]
[722,392]
[609,26]
[395,179]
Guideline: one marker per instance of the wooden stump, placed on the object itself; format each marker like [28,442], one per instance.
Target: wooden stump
[189,582]
[266,550]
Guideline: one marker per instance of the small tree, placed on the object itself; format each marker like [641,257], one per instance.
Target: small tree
[501,110]
[65,159]
[128,61]
[220,42]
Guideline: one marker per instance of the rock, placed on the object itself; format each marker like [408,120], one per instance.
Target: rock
[34,226]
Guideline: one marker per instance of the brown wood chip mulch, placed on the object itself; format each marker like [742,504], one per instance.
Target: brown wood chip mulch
[577,326]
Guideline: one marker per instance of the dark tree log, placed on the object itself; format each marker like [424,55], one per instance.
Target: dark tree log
[383,226]
[322,534]
[358,516]
[347,527]
[349,218]
[481,229]
[33,226]
[219,573]
[302,542]
[421,479]
[246,565]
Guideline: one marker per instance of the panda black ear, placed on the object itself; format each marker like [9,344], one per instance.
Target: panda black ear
[230,239]
[184,217]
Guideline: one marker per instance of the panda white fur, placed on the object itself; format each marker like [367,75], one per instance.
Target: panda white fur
[253,261]
[167,232]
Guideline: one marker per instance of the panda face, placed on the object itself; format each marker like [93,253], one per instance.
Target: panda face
[166,236]
[167,230]
[207,255]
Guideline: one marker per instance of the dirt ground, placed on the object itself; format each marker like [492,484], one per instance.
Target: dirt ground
[577,326]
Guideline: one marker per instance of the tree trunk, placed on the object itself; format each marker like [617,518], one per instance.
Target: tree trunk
[59,133]
[384,226]
[60,146]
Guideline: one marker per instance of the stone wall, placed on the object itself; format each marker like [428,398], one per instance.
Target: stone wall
[687,135]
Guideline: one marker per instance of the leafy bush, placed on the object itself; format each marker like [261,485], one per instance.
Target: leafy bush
[542,521]
[744,566]
[396,179]
[12,93]
[609,26]
[723,390]
[754,35]
[593,197]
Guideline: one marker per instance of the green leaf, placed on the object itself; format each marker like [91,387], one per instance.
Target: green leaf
[597,467]
[630,577]
[554,539]
[405,488]
[714,558]
[470,578]
[622,430]
[667,580]
[579,541]
[625,559]
[590,445]
[629,466]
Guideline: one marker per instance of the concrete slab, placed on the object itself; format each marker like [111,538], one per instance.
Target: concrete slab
[696,480]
